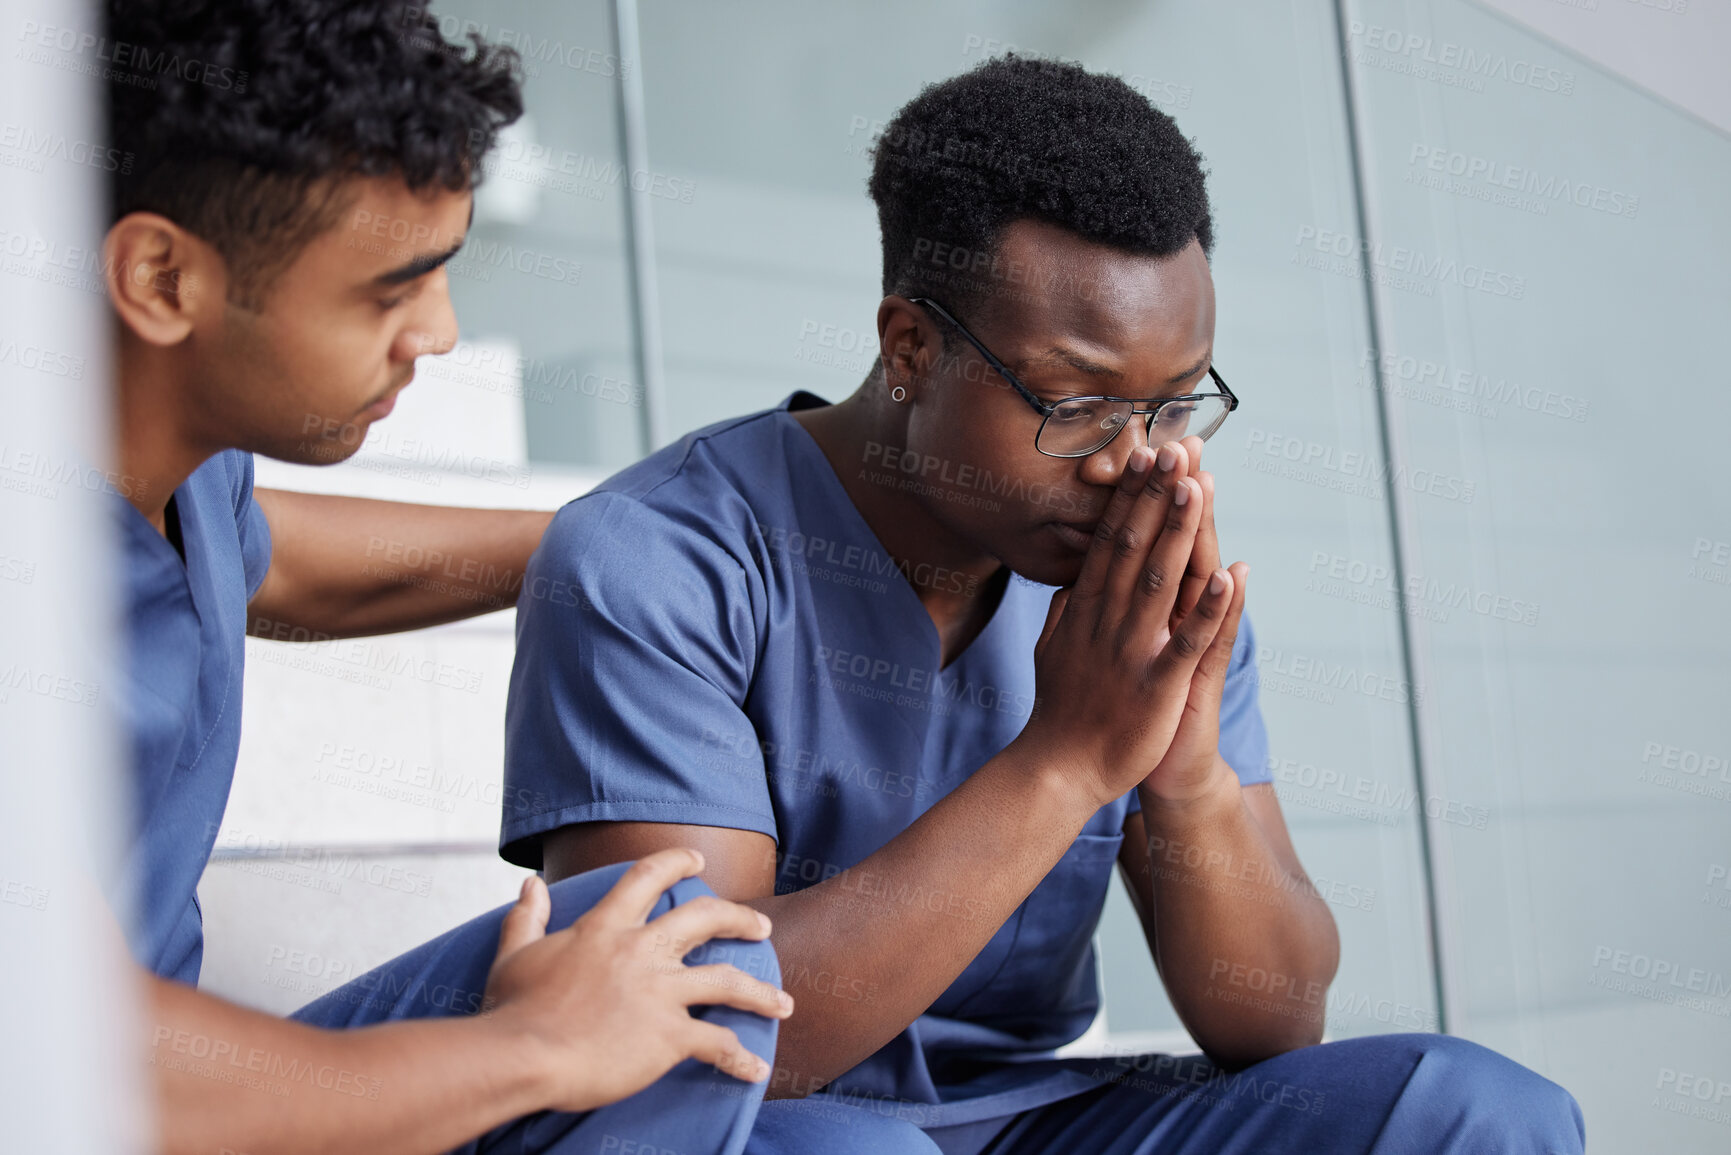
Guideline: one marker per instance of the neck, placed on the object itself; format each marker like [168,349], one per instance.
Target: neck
[963,592]
[158,446]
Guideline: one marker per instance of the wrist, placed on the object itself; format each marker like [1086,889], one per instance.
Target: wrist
[1063,781]
[519,1068]
[1216,794]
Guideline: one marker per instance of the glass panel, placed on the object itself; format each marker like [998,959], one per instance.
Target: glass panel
[1546,238]
[769,282]
[541,290]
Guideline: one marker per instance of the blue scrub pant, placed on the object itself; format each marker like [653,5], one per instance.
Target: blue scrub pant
[1381,1095]
[692,1110]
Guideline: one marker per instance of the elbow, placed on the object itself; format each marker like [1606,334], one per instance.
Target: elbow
[1248,1048]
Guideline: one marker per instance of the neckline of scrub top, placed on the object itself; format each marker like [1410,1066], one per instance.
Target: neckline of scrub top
[188,566]
[839,497]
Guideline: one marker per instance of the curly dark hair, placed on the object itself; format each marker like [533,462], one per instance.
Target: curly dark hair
[1019,138]
[246,118]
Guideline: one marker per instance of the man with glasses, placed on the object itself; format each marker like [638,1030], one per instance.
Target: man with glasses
[821,643]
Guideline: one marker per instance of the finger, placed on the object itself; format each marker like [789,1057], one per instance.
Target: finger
[1149,614]
[720,1048]
[1137,469]
[639,888]
[728,986]
[1210,677]
[691,924]
[1138,534]
[1205,558]
[526,921]
[1177,661]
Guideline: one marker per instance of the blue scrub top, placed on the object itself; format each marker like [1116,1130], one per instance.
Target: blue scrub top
[186,636]
[715,636]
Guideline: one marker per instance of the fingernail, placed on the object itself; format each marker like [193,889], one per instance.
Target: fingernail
[763,921]
[1167,459]
[786,1001]
[1217,583]
[1182,496]
[1141,458]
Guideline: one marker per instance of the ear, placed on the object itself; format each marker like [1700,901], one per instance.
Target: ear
[908,342]
[163,281]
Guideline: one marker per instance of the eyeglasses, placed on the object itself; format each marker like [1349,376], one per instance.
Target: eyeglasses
[1078,426]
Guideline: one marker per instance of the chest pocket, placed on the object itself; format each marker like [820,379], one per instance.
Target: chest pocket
[1037,973]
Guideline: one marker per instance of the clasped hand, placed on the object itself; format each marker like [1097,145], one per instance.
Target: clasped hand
[1132,662]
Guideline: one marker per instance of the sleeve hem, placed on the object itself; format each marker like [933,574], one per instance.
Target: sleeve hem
[520,841]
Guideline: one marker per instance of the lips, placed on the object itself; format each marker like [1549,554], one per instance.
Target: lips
[1078,536]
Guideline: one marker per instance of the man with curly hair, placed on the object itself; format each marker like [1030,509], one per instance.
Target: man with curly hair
[247,321]
[834,661]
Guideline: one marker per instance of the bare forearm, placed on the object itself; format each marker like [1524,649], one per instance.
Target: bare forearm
[866,952]
[348,566]
[1245,945]
[231,1078]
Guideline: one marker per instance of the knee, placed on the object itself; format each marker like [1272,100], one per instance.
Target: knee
[1500,1094]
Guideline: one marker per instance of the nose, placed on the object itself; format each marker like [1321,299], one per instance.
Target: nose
[1106,464]
[434,330]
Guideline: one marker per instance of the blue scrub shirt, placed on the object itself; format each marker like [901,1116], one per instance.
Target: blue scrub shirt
[186,643]
[714,636]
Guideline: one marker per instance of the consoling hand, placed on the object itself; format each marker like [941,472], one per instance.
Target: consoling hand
[607,1000]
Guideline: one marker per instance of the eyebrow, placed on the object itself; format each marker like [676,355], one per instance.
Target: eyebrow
[419,267]
[1057,355]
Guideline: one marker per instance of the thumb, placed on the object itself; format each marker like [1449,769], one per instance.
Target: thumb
[526,922]
[1054,613]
